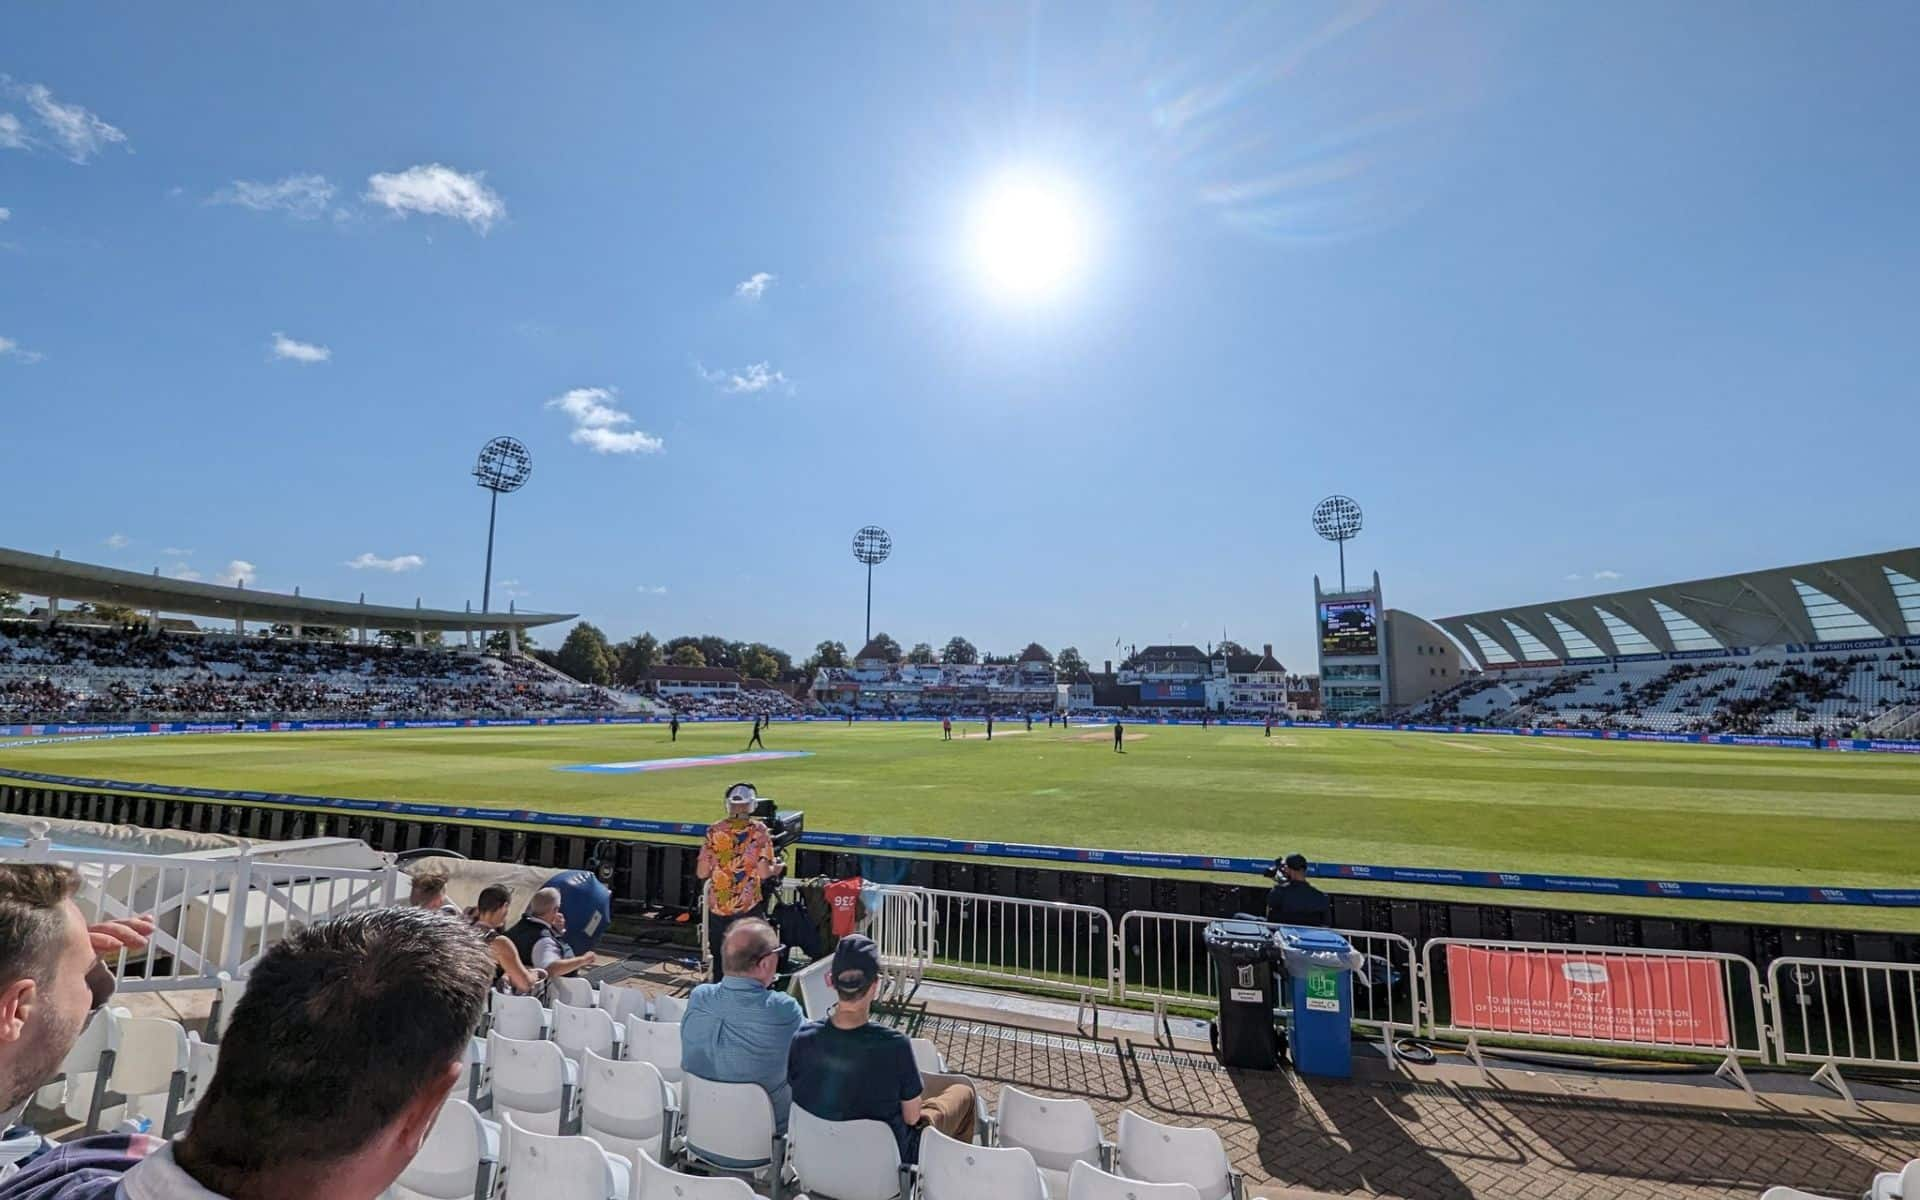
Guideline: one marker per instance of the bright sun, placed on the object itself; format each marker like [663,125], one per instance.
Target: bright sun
[1029,236]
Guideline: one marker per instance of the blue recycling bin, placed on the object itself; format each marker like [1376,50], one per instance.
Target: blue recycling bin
[588,906]
[1319,967]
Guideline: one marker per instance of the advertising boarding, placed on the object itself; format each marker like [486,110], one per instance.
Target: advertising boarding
[1650,1000]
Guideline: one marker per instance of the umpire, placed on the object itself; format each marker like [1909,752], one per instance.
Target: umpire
[1294,901]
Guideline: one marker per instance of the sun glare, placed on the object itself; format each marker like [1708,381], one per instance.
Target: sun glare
[1029,236]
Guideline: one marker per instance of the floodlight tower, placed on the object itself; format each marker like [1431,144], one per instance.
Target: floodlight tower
[871,545]
[503,466]
[1337,519]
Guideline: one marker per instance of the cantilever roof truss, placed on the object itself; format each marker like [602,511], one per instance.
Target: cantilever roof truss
[1867,596]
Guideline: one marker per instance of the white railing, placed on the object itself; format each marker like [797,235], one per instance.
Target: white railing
[1666,1000]
[901,925]
[1845,1012]
[1037,945]
[211,915]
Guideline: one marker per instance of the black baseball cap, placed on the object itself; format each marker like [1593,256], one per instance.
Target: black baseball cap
[856,964]
[1295,862]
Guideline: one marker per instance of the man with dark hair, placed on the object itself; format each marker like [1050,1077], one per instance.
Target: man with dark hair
[348,1040]
[846,1068]
[738,1030]
[755,740]
[51,981]
[1294,901]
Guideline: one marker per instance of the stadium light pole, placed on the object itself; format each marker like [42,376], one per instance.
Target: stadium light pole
[871,545]
[1337,519]
[503,466]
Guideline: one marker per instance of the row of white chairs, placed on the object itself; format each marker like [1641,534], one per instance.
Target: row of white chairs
[127,1069]
[1903,1184]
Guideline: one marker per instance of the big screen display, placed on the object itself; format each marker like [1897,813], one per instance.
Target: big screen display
[1348,627]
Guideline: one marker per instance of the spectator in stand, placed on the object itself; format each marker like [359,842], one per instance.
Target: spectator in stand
[489,916]
[429,890]
[537,936]
[736,860]
[350,1037]
[846,1068]
[738,1030]
[52,980]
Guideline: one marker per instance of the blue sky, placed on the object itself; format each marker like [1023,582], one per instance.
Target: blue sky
[1553,290]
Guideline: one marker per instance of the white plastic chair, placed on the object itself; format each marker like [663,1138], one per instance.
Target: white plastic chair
[729,1126]
[847,1160]
[578,1030]
[814,990]
[544,1166]
[655,1182]
[656,1042]
[625,1107]
[522,1018]
[1155,1153]
[203,1059]
[927,1056]
[1903,1184]
[669,1009]
[458,1161]
[571,989]
[1088,1182]
[622,1002]
[149,1075]
[1787,1193]
[532,1081]
[953,1170]
[79,1086]
[1058,1133]
[225,1000]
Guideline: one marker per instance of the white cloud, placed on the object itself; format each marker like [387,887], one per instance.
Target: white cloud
[238,571]
[6,214]
[1574,577]
[12,349]
[398,563]
[659,590]
[302,197]
[298,351]
[754,286]
[184,572]
[438,191]
[756,377]
[597,423]
[117,541]
[77,133]
[1605,576]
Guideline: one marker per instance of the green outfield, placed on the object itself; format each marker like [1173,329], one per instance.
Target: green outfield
[1424,800]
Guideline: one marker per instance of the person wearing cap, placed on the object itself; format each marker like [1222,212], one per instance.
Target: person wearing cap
[846,1068]
[1294,901]
[735,859]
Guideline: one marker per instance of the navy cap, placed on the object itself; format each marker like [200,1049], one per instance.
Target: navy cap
[1297,862]
[856,964]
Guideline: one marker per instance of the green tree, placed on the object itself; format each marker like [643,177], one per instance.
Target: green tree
[960,651]
[829,654]
[687,654]
[633,658]
[498,645]
[1068,662]
[116,614]
[404,637]
[889,649]
[585,655]
[1232,648]
[756,663]
[921,654]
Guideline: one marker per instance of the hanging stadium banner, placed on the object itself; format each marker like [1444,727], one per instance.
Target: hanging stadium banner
[1609,998]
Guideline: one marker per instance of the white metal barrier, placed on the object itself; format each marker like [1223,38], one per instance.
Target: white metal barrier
[211,915]
[900,924]
[1838,1012]
[1042,945]
[1669,1000]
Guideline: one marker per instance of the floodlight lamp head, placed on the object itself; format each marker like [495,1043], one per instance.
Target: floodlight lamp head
[871,545]
[1337,518]
[503,466]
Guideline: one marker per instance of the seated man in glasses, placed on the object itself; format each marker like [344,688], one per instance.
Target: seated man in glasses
[737,1030]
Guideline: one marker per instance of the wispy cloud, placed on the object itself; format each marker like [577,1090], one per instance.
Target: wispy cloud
[440,191]
[1574,577]
[238,571]
[1606,576]
[755,285]
[1600,576]
[397,564]
[741,381]
[302,197]
[6,214]
[117,541]
[599,426]
[176,552]
[68,128]
[14,350]
[653,590]
[298,351]
[185,573]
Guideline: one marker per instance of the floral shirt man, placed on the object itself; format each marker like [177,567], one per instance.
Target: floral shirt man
[739,853]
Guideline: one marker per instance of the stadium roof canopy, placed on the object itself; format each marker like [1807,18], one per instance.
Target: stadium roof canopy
[39,575]
[1842,599]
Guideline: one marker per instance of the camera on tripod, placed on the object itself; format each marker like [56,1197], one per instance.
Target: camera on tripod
[784,827]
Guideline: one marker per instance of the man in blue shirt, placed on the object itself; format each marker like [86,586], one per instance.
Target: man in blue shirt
[846,1068]
[737,1031]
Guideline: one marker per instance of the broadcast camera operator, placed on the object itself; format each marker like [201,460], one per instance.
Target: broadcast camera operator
[1294,901]
[738,858]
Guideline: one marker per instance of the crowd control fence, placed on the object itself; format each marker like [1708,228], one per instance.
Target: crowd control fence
[1845,1013]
